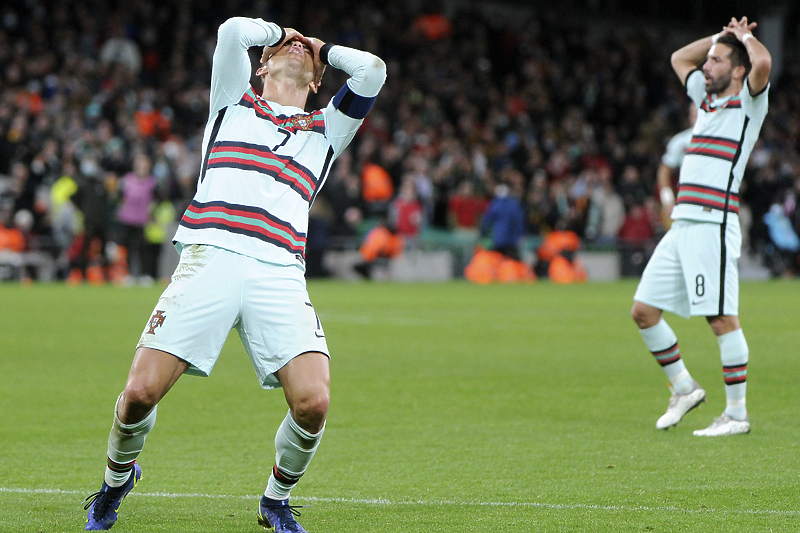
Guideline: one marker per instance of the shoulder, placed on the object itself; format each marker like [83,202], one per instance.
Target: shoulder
[754,103]
[696,86]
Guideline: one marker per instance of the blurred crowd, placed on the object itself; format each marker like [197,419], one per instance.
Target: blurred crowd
[103,104]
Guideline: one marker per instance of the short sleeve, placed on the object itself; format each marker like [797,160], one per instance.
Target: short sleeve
[696,86]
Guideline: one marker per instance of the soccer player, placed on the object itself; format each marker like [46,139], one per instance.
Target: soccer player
[671,162]
[693,270]
[241,243]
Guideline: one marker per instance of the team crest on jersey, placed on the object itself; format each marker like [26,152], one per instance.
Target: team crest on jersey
[157,320]
[301,122]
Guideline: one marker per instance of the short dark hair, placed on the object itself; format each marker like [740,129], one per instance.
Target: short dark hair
[739,55]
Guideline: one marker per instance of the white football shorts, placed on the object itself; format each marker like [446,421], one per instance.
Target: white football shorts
[214,290]
[692,273]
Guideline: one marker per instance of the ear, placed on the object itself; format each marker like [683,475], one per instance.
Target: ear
[319,70]
[262,71]
[738,72]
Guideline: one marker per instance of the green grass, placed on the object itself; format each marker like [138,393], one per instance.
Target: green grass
[455,408]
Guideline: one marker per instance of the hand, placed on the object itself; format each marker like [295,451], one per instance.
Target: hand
[319,66]
[291,33]
[739,28]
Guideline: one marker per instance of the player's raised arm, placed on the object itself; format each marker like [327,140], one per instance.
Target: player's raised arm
[688,58]
[760,59]
[231,71]
[350,105]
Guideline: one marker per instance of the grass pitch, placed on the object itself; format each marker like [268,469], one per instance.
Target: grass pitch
[455,408]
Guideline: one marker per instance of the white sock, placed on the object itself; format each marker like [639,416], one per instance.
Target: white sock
[125,443]
[734,354]
[295,447]
[663,344]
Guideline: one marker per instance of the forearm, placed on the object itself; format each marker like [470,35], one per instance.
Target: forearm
[664,185]
[690,56]
[761,62]
[663,177]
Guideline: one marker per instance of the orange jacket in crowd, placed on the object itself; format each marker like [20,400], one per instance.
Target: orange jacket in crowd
[488,266]
[380,242]
[376,184]
[11,239]
[558,249]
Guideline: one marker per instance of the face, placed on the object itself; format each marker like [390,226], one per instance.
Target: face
[718,69]
[141,165]
[294,58]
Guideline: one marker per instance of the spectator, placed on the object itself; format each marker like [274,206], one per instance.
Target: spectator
[465,208]
[406,211]
[383,241]
[93,199]
[606,211]
[634,235]
[782,251]
[457,107]
[504,221]
[137,190]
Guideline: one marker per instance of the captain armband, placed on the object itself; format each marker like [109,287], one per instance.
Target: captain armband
[352,104]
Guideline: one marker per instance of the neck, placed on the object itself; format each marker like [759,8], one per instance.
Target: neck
[285,92]
[733,88]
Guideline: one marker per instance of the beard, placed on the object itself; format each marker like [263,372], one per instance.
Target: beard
[718,85]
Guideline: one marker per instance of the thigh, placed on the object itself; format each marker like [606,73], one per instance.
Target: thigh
[278,321]
[197,310]
[152,375]
[710,255]
[662,284]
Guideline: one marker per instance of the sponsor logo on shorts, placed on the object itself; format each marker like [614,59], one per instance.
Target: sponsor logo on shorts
[157,320]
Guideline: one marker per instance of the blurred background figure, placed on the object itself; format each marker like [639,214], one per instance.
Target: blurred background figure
[504,222]
[577,120]
[136,196]
[667,175]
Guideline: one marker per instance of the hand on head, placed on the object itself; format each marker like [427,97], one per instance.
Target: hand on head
[740,28]
[291,33]
[319,66]
[314,44]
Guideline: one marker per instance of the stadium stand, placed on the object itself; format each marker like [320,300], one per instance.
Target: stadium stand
[571,112]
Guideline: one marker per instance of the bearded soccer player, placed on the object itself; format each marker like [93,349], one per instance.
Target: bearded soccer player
[694,269]
[242,243]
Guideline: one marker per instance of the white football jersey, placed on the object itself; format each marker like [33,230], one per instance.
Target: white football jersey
[722,138]
[264,163]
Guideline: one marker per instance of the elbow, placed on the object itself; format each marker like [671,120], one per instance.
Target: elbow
[378,65]
[763,66]
[376,72]
[371,73]
[234,27]
[229,27]
[675,60]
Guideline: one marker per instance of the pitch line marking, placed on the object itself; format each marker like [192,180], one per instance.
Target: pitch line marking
[383,501]
[361,319]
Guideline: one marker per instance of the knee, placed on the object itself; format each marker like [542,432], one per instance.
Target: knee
[138,401]
[644,315]
[311,409]
[723,324]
